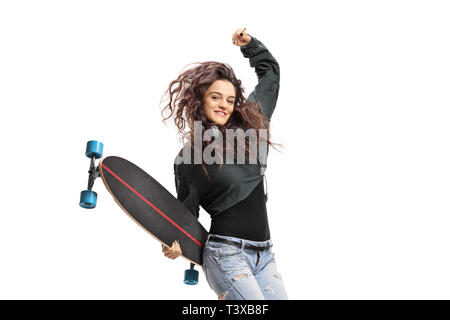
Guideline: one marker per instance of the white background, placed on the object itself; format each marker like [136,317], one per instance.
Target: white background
[358,198]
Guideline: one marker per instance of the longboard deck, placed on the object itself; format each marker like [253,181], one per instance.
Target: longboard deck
[152,207]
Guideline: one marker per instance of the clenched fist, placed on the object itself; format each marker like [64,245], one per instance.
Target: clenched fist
[172,252]
[241,38]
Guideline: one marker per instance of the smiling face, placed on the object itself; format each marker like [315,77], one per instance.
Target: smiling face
[218,101]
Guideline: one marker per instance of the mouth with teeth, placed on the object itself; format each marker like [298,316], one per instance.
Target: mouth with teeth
[220,113]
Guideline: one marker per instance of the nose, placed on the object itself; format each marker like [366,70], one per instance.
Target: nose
[222,103]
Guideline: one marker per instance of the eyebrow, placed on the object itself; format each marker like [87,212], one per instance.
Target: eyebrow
[221,94]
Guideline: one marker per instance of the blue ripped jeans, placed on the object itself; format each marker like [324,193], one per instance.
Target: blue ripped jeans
[238,273]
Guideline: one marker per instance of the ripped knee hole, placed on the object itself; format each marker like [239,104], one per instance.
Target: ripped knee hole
[238,277]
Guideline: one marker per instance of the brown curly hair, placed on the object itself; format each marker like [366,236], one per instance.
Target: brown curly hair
[185,95]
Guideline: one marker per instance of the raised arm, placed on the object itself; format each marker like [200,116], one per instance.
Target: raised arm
[268,72]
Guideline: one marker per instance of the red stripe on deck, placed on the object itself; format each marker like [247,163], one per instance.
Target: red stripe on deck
[150,204]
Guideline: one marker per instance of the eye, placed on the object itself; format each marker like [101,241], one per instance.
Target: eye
[231,102]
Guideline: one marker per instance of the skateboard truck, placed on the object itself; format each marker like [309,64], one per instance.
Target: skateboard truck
[191,275]
[88,198]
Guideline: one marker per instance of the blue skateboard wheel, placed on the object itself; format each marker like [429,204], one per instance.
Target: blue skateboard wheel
[94,149]
[191,277]
[88,199]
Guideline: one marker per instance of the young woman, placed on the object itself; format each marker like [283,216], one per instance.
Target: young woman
[237,258]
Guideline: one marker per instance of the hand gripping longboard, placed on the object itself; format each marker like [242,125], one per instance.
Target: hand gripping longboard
[148,203]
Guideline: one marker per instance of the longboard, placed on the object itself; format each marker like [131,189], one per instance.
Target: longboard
[148,203]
